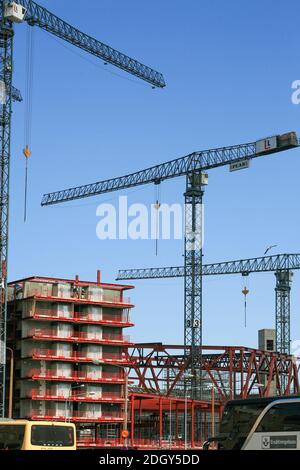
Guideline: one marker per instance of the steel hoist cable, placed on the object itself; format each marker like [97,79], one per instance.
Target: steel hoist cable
[245,292]
[28,108]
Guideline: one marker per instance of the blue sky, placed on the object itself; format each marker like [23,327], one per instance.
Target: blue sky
[229,67]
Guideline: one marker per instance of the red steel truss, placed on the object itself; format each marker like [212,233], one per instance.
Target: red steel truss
[234,371]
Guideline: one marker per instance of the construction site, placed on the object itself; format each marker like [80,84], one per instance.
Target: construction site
[69,349]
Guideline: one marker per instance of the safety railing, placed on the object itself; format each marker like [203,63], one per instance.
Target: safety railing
[43,333]
[71,356]
[48,415]
[80,317]
[115,337]
[138,443]
[106,319]
[100,442]
[51,354]
[112,318]
[108,396]
[166,444]
[93,416]
[76,416]
[113,357]
[44,314]
[37,374]
[86,298]
[75,396]
[86,337]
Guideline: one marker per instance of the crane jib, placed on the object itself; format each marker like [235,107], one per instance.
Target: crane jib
[281,262]
[196,161]
[36,15]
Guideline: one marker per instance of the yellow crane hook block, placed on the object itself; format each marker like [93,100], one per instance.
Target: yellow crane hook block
[27,151]
[245,291]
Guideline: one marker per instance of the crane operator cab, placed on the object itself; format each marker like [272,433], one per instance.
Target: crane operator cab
[14,12]
[259,424]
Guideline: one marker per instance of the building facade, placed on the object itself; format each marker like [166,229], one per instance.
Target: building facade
[69,352]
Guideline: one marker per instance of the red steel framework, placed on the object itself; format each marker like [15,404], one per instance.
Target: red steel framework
[229,372]
[160,368]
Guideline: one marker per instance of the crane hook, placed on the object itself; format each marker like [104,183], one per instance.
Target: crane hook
[27,152]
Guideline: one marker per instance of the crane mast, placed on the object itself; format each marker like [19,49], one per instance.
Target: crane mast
[193,276]
[6,64]
[36,15]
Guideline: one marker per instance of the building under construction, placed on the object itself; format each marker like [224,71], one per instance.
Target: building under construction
[72,363]
[68,343]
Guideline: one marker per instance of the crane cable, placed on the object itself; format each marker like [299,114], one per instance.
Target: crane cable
[245,292]
[28,107]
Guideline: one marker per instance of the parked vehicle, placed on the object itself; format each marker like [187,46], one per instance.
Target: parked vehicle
[259,424]
[36,435]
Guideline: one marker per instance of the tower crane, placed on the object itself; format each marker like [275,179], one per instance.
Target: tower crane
[193,167]
[282,265]
[35,15]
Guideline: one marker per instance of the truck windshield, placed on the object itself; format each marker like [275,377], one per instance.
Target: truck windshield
[52,436]
[237,422]
[11,436]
